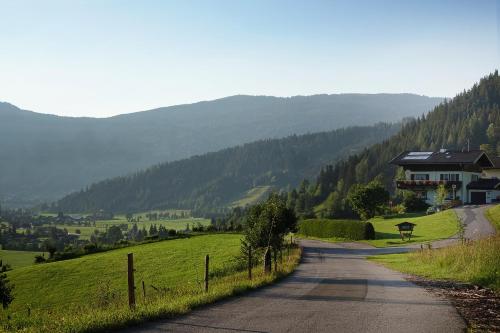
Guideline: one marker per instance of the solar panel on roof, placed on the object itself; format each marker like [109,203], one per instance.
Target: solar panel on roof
[418,155]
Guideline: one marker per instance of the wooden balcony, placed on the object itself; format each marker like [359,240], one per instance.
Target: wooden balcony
[426,184]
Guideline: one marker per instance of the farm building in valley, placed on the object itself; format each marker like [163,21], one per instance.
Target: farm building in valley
[470,176]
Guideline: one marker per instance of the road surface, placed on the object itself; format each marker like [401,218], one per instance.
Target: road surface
[335,289]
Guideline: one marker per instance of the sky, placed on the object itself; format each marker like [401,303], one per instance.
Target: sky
[101,58]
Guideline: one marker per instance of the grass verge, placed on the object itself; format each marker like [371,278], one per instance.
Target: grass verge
[493,215]
[477,262]
[88,294]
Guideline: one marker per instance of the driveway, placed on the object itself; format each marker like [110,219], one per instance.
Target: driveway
[476,224]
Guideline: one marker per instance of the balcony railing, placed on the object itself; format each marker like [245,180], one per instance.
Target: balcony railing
[412,184]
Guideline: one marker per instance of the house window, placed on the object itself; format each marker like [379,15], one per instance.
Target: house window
[420,176]
[474,178]
[449,176]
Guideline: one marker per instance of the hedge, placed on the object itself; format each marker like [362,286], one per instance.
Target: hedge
[346,229]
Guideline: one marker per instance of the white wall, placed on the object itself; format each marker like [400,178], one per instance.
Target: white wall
[464,176]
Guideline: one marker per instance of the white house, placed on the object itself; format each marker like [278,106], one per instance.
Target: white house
[470,176]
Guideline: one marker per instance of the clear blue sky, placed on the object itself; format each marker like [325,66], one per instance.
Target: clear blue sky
[103,57]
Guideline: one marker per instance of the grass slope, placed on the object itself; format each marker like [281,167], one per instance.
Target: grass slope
[252,196]
[89,293]
[18,259]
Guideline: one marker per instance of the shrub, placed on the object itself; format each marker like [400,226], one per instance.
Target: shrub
[346,229]
[172,232]
[413,203]
[369,231]
[39,259]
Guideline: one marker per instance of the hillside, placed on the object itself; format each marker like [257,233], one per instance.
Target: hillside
[45,157]
[473,116]
[218,179]
[89,294]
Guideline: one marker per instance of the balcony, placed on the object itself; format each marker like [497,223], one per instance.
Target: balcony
[426,184]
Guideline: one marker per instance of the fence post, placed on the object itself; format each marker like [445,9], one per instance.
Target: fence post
[249,263]
[207,259]
[131,285]
[144,289]
[267,261]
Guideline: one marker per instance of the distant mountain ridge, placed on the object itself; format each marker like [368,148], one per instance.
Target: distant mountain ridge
[45,157]
[209,182]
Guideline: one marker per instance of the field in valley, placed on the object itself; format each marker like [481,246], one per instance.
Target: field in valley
[18,259]
[89,293]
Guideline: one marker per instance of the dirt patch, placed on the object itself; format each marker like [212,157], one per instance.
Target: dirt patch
[480,307]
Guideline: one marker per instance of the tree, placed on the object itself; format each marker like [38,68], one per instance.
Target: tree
[268,223]
[367,200]
[6,287]
[441,194]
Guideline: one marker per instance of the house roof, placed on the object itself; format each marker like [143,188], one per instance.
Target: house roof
[496,163]
[484,184]
[441,157]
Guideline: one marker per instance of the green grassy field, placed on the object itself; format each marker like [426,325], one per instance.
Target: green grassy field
[89,293]
[18,259]
[493,215]
[86,232]
[428,228]
[477,263]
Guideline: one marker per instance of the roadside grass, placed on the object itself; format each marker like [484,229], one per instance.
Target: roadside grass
[493,215]
[433,227]
[18,259]
[89,294]
[476,263]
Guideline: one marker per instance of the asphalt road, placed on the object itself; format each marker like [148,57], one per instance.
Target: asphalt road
[335,289]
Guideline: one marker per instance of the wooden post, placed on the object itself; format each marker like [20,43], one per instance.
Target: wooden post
[131,285]
[267,261]
[275,257]
[144,289]
[249,263]
[207,259]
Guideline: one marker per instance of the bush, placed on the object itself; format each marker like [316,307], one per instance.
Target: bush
[413,203]
[346,229]
[369,231]
[172,232]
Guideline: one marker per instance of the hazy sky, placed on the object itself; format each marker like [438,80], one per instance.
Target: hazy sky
[102,57]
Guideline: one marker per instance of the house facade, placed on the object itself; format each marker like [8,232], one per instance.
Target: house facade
[471,176]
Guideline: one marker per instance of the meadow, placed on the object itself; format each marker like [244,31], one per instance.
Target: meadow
[475,262]
[427,228]
[101,225]
[18,259]
[89,293]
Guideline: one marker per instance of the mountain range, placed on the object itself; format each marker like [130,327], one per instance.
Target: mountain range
[44,157]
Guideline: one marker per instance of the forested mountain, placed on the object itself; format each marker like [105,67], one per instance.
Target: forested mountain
[214,180]
[44,157]
[471,117]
